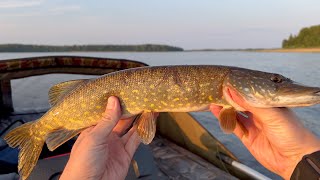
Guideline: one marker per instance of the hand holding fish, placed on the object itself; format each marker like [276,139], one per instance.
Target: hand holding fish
[101,152]
[275,136]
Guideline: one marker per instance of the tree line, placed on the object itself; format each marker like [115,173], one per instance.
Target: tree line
[308,37]
[48,48]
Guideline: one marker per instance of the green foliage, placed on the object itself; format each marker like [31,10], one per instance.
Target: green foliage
[99,48]
[307,38]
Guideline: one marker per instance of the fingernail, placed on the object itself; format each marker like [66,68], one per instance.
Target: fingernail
[111,103]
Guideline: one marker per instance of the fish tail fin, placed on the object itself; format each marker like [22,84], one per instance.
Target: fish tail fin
[30,147]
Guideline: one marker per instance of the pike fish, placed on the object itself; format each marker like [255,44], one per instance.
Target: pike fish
[79,104]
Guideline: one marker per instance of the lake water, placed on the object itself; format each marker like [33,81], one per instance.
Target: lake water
[301,67]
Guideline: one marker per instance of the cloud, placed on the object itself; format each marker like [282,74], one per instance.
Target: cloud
[63,9]
[20,3]
[50,12]
[30,14]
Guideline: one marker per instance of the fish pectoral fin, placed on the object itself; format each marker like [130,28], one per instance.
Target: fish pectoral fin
[228,119]
[60,136]
[57,91]
[146,126]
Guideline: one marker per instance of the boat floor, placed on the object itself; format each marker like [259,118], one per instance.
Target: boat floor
[176,162]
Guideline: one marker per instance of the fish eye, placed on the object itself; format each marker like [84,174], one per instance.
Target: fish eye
[276,78]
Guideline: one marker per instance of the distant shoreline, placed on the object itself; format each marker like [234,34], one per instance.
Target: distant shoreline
[29,48]
[279,50]
[12,48]
[293,50]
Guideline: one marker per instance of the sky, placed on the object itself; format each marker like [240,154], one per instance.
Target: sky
[190,24]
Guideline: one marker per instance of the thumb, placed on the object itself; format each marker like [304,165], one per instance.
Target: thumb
[109,120]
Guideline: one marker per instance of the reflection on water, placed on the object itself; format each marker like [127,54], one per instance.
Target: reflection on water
[301,67]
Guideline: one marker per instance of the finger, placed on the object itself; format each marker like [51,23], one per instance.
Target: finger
[247,129]
[132,143]
[109,120]
[215,109]
[122,126]
[244,125]
[126,137]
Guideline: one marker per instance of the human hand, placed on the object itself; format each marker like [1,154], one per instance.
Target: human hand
[275,136]
[100,152]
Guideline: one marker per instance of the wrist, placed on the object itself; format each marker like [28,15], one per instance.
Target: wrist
[308,167]
[311,145]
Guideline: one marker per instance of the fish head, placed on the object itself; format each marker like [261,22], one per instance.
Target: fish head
[262,89]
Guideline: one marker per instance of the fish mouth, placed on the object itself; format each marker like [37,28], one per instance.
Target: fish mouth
[313,91]
[299,90]
[306,96]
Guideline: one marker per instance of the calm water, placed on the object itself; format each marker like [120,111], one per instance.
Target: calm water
[301,67]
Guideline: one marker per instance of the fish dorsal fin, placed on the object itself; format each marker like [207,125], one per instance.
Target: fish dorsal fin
[60,136]
[57,91]
[146,126]
[228,119]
